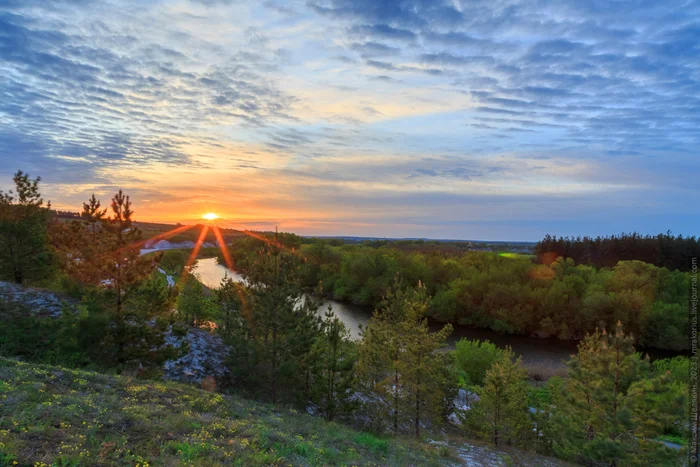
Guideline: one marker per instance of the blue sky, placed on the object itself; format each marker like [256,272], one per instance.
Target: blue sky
[500,120]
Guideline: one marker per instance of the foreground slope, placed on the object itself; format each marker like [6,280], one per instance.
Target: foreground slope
[137,422]
[53,415]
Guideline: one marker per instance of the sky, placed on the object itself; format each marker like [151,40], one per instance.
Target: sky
[490,120]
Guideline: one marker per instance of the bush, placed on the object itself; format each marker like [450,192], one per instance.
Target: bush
[473,358]
[180,329]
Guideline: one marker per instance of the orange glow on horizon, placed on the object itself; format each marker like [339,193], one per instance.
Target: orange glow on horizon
[210,216]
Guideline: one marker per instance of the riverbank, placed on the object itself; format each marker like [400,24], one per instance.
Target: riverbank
[543,357]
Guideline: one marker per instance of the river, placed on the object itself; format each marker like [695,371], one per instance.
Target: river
[541,353]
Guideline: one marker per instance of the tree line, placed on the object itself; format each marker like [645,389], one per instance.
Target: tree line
[614,407]
[509,293]
[663,250]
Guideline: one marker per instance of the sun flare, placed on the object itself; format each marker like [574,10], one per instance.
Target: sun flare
[210,216]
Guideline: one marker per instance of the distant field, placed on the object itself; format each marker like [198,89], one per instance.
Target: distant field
[516,255]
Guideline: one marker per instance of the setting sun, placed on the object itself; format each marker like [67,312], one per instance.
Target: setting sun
[210,216]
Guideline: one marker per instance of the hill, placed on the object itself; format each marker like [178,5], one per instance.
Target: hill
[56,415]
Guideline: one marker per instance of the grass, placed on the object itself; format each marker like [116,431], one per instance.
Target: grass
[683,441]
[56,416]
[372,443]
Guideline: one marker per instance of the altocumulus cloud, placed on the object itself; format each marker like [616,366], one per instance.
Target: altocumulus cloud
[426,108]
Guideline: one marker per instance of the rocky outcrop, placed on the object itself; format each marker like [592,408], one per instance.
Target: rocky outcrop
[206,356]
[38,302]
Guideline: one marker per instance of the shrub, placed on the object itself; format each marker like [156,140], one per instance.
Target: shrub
[473,358]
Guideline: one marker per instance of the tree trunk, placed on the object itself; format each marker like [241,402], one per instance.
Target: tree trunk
[417,421]
[330,402]
[497,420]
[19,277]
[274,365]
[274,335]
[396,401]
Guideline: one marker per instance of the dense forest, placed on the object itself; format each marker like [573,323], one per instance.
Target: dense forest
[663,250]
[509,293]
[614,407]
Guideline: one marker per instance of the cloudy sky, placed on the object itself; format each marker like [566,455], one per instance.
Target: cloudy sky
[494,119]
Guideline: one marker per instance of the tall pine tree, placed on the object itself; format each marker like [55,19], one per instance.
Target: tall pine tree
[93,215]
[107,258]
[25,253]
[335,356]
[502,406]
[399,363]
[614,408]
[283,323]
[123,267]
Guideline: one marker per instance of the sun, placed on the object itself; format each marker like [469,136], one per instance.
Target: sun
[210,216]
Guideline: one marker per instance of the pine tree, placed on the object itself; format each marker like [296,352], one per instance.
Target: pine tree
[105,259]
[381,351]
[237,330]
[398,360]
[141,339]
[83,244]
[613,407]
[192,304]
[231,301]
[376,358]
[502,401]
[422,364]
[336,355]
[122,265]
[93,216]
[283,322]
[25,252]
[110,260]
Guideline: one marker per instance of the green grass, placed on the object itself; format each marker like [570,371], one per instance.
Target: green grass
[55,416]
[683,441]
[372,443]
[516,255]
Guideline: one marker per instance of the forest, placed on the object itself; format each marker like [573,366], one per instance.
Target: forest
[506,292]
[662,250]
[614,407]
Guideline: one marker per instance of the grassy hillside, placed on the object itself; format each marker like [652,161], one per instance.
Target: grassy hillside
[51,415]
